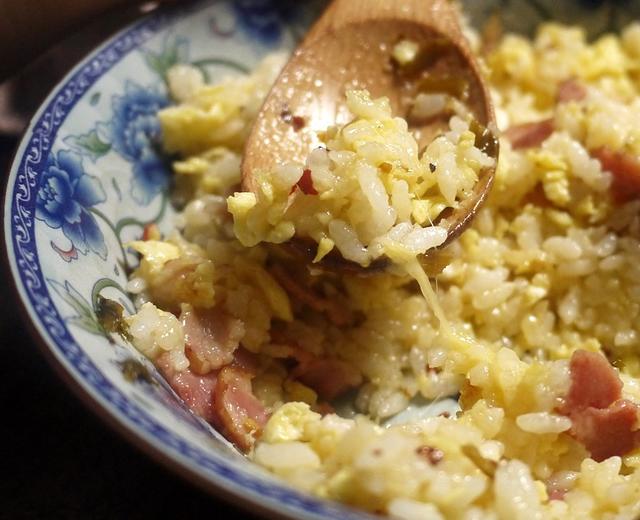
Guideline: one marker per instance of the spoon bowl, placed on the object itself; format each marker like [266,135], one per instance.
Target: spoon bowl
[350,47]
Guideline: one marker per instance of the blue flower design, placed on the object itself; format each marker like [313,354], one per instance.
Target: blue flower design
[264,19]
[135,134]
[64,199]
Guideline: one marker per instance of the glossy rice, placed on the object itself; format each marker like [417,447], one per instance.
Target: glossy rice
[550,268]
[367,192]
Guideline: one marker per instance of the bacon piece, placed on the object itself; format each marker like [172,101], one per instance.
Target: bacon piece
[608,431]
[571,90]
[337,313]
[221,397]
[330,378]
[625,169]
[211,338]
[195,390]
[600,420]
[528,135]
[305,183]
[242,415]
[245,360]
[594,383]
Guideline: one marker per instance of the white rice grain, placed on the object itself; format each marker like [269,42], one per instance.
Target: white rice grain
[543,422]
[407,509]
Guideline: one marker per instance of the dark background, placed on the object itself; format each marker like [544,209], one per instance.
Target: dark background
[57,459]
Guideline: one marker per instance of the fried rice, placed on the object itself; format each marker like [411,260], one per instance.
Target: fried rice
[541,302]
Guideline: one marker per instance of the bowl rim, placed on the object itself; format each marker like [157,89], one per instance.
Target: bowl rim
[222,481]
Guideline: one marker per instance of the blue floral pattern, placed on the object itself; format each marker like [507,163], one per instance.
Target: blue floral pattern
[259,18]
[265,20]
[50,194]
[64,201]
[135,135]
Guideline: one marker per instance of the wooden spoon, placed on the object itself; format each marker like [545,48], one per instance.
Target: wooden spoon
[350,47]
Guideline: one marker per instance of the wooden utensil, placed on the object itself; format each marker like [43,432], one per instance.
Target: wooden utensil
[350,47]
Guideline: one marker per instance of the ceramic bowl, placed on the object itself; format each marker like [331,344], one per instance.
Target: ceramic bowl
[88,176]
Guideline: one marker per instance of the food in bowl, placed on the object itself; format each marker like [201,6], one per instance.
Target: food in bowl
[369,192]
[538,333]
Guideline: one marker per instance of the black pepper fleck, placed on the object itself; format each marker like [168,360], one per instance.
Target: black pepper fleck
[286,116]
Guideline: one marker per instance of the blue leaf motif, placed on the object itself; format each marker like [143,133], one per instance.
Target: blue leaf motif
[173,51]
[65,197]
[135,135]
[89,144]
[84,316]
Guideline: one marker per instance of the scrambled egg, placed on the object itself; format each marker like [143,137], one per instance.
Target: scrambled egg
[215,115]
[155,254]
[288,423]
